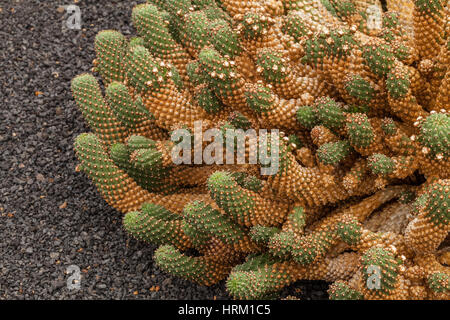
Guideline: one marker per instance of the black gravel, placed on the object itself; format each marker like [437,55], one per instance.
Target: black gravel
[52,217]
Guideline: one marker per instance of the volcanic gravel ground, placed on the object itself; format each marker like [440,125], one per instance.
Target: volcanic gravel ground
[52,217]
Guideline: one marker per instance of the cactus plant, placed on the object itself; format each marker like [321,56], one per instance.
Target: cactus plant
[355,124]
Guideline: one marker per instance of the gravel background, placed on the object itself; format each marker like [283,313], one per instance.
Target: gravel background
[52,217]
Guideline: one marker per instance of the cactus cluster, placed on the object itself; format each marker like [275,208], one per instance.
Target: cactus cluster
[360,99]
